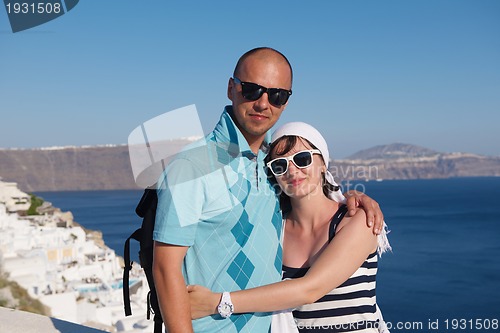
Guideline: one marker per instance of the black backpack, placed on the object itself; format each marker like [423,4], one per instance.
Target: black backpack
[146,209]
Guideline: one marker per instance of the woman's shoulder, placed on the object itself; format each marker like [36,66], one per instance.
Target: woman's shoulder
[358,218]
[356,227]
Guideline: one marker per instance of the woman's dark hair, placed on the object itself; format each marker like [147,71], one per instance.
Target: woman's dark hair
[281,147]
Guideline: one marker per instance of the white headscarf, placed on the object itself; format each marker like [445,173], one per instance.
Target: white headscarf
[312,135]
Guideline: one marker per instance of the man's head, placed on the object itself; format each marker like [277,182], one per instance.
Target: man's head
[270,69]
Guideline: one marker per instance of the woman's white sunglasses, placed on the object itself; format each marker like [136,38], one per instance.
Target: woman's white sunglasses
[301,159]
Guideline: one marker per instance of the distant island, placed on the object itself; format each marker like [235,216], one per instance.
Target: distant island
[108,167]
[406,161]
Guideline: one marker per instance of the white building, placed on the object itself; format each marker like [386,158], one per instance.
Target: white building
[13,198]
[76,278]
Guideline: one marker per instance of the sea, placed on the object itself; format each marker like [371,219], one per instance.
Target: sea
[442,275]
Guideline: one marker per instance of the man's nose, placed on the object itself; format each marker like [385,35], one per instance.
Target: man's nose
[263,102]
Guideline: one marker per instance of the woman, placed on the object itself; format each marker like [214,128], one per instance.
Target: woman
[329,260]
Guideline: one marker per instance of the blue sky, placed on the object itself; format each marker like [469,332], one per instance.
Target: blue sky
[366,72]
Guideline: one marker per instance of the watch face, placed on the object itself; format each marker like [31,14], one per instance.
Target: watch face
[225,306]
[225,309]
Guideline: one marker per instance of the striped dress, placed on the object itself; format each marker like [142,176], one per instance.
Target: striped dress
[351,307]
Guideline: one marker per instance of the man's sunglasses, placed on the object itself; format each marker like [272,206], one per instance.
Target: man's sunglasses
[252,92]
[301,159]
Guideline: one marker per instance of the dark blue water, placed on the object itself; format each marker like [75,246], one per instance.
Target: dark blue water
[444,269]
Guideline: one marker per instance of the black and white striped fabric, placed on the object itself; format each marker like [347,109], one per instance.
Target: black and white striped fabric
[351,307]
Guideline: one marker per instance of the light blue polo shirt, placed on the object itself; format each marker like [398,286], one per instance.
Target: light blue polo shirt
[215,198]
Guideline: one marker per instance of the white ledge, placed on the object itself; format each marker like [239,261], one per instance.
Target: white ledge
[15,321]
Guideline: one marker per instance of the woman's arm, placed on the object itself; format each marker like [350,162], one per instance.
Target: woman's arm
[341,258]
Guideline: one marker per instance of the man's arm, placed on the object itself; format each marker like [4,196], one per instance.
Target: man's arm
[374,216]
[171,287]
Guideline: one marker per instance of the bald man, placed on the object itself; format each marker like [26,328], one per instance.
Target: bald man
[218,221]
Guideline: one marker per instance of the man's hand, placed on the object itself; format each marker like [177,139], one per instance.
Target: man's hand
[374,216]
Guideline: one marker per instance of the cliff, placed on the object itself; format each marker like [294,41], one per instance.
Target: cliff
[405,161]
[108,167]
[68,168]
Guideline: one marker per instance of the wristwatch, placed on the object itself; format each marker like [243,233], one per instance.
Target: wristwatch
[225,307]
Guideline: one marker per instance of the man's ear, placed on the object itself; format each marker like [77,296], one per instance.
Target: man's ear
[230,86]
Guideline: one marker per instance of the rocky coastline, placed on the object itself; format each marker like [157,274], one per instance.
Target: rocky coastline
[51,265]
[108,167]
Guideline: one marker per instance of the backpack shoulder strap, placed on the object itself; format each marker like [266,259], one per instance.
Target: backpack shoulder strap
[137,235]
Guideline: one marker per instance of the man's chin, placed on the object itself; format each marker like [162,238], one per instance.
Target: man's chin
[259,130]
